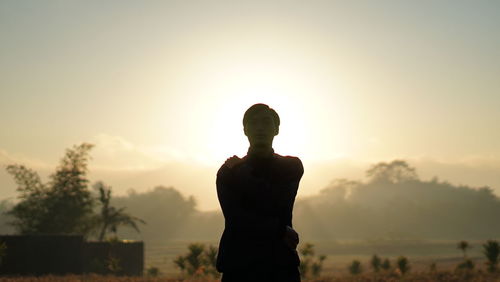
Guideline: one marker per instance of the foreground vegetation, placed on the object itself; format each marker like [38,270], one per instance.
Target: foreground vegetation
[421,277]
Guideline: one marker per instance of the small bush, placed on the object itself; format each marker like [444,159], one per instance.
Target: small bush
[403,264]
[433,267]
[153,271]
[466,265]
[386,264]
[375,263]
[199,261]
[97,266]
[309,265]
[355,268]
[110,265]
[113,264]
[491,250]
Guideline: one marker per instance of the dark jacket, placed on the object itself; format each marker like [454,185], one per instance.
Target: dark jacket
[257,197]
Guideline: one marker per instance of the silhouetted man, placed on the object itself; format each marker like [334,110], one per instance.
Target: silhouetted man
[256,194]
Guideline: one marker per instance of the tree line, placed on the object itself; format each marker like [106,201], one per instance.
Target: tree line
[394,203]
[65,204]
[391,203]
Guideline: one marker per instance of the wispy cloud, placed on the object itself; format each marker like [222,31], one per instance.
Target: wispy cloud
[117,153]
[111,152]
[7,158]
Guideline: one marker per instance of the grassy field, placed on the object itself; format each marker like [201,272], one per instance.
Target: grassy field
[413,277]
[340,254]
[421,254]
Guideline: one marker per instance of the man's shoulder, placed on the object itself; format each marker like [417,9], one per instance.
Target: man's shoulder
[291,163]
[290,160]
[229,165]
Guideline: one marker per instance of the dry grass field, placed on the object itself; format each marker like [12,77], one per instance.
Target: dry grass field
[421,254]
[413,277]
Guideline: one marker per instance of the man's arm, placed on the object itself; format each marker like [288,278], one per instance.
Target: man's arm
[290,236]
[297,170]
[239,219]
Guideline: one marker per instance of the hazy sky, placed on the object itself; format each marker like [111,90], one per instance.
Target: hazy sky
[159,83]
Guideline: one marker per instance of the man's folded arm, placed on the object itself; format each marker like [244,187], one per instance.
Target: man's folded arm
[296,172]
[238,218]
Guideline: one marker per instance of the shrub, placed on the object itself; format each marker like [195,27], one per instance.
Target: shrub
[433,267]
[108,265]
[113,264]
[199,261]
[309,265]
[355,267]
[153,271]
[375,263]
[466,265]
[491,250]
[403,264]
[386,264]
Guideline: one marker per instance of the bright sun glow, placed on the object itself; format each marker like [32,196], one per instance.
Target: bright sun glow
[219,88]
[228,135]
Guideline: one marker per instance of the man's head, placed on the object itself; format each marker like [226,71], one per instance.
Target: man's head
[261,124]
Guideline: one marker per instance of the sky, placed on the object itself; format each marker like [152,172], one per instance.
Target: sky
[160,87]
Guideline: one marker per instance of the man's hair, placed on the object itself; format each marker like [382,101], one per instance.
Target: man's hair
[258,108]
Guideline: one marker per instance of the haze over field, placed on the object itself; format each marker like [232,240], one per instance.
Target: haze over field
[161,87]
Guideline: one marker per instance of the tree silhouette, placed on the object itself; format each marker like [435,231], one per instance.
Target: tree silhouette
[110,217]
[403,264]
[28,213]
[405,209]
[375,263]
[491,250]
[166,211]
[386,264]
[463,245]
[64,205]
[355,268]
[396,171]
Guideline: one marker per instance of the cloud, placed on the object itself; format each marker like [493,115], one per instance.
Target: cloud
[7,158]
[7,183]
[476,171]
[124,165]
[117,153]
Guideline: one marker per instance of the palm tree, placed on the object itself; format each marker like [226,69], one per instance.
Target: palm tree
[111,218]
[463,245]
